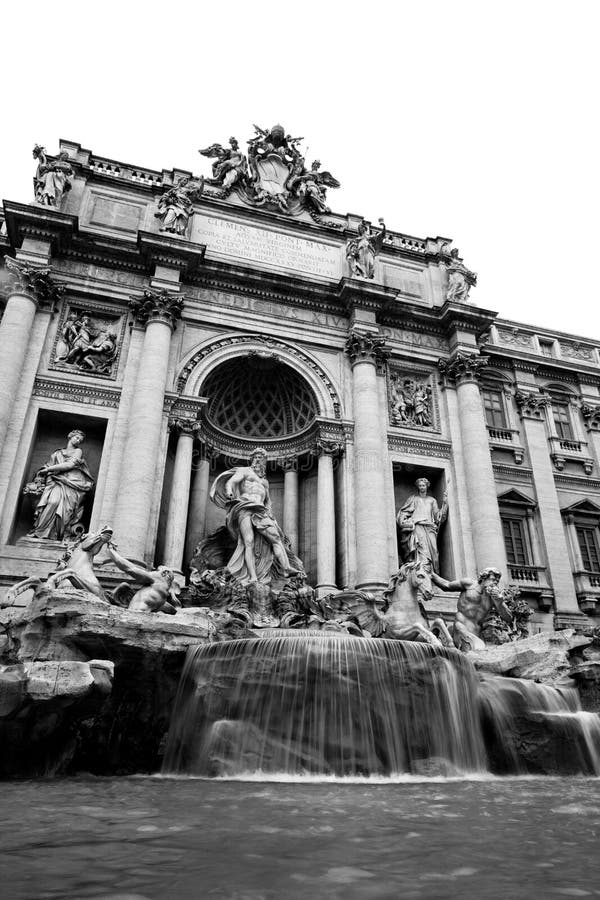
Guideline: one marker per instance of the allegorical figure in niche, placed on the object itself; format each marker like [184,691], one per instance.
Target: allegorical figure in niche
[419,520]
[244,493]
[67,480]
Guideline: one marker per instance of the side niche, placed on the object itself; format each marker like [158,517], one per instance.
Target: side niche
[88,340]
[411,402]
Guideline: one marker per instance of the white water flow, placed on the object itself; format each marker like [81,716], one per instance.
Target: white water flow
[310,704]
[325,704]
[515,706]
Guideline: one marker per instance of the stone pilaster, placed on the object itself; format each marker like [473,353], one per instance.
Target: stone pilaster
[532,406]
[591,418]
[196,524]
[326,581]
[29,287]
[290,500]
[368,356]
[141,467]
[463,371]
[179,497]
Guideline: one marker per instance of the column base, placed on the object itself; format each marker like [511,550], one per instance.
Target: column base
[324,589]
[374,587]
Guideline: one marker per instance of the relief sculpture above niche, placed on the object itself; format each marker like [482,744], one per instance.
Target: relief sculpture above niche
[88,340]
[410,400]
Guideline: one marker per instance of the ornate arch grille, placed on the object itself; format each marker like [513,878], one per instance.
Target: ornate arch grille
[258,397]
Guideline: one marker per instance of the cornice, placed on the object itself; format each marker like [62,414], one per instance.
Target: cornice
[76,392]
[512,473]
[41,222]
[171,251]
[403,443]
[576,482]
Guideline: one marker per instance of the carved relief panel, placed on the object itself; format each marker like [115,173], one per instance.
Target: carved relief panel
[411,401]
[88,340]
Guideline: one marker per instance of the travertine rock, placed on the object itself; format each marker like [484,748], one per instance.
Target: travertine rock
[542,657]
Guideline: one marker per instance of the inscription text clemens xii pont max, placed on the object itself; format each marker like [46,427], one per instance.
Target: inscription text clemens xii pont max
[271,248]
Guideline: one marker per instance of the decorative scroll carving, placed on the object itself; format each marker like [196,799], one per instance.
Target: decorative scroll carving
[180,425]
[410,401]
[176,205]
[575,350]
[531,404]
[366,347]
[157,306]
[591,415]
[328,448]
[515,336]
[290,464]
[463,367]
[34,281]
[362,250]
[88,342]
[52,178]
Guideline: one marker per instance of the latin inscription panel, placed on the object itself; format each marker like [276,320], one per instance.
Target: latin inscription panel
[272,249]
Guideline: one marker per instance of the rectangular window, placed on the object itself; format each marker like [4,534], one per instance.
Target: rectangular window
[562,421]
[588,544]
[547,348]
[514,540]
[494,408]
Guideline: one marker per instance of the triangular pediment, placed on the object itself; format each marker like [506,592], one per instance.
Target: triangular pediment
[583,507]
[515,498]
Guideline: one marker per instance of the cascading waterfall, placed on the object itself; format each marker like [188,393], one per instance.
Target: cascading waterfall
[325,704]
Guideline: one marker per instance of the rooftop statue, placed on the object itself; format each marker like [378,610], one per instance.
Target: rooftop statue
[460,279]
[476,601]
[419,520]
[63,483]
[52,177]
[310,186]
[176,205]
[362,250]
[231,165]
[244,493]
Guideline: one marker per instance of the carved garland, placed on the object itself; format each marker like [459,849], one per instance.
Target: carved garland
[271,343]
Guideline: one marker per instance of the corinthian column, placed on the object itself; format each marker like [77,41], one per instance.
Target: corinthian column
[368,354]
[290,501]
[179,498]
[464,371]
[29,287]
[141,468]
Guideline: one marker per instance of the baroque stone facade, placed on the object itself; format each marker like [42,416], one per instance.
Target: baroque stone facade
[180,322]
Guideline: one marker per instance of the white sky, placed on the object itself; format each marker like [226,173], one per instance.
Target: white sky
[471,120]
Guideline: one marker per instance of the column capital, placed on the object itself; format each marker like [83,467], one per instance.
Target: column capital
[157,306]
[366,346]
[32,281]
[531,404]
[463,367]
[179,425]
[328,448]
[290,464]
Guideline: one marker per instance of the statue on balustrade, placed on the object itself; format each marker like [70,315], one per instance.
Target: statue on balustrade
[460,279]
[231,165]
[176,205]
[52,179]
[63,484]
[419,520]
[362,250]
[260,551]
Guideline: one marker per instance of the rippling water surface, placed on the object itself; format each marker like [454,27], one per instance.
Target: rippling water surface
[174,839]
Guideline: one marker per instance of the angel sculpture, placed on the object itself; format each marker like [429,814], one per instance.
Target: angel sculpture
[362,250]
[231,166]
[176,205]
[309,187]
